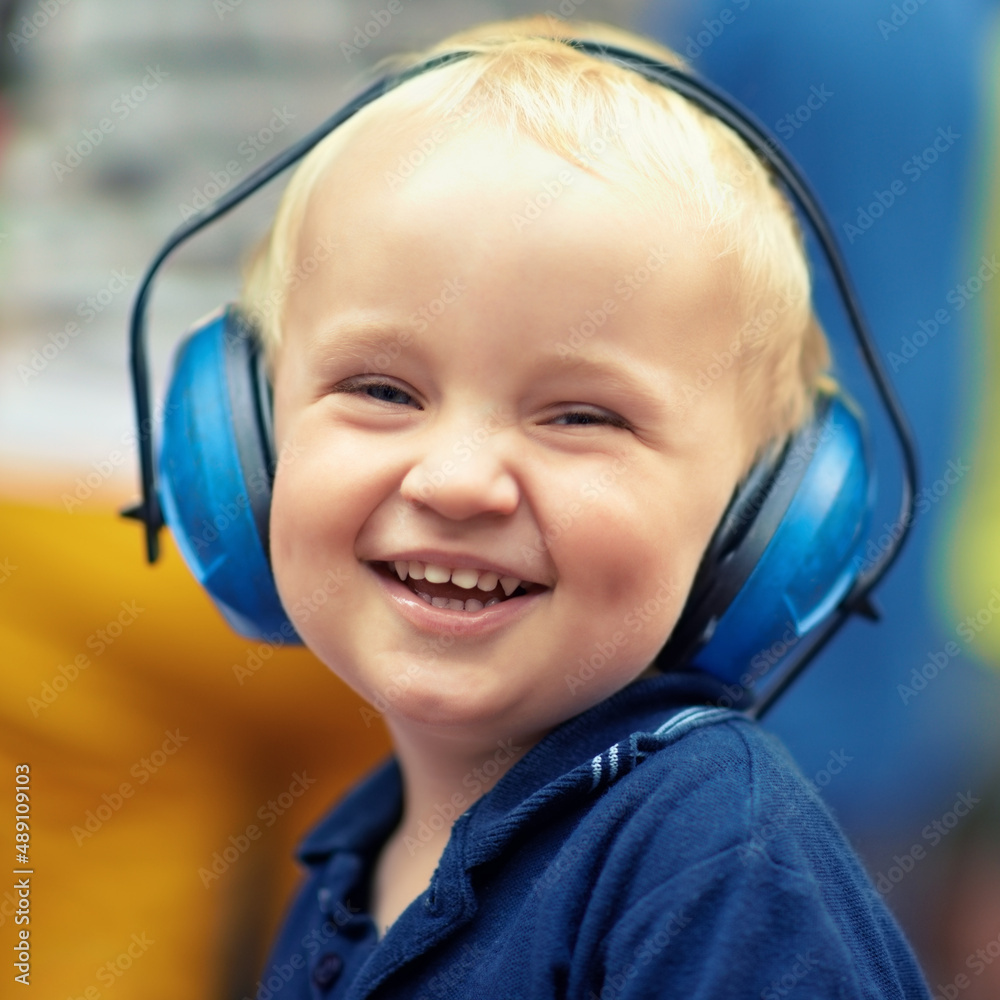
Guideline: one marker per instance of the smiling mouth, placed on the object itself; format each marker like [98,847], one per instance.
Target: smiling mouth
[451,596]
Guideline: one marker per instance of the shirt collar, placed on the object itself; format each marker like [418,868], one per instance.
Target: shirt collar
[370,811]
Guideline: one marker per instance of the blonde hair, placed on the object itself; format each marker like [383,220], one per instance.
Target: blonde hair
[523,79]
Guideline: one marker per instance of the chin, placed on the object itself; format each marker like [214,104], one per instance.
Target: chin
[443,696]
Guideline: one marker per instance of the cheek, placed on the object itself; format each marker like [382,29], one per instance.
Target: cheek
[312,557]
[633,549]
[311,519]
[635,574]
[291,541]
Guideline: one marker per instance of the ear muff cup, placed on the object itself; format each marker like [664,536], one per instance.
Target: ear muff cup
[216,468]
[785,553]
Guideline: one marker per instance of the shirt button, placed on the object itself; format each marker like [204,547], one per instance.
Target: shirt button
[327,969]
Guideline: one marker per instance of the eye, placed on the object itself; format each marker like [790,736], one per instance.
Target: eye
[377,389]
[585,418]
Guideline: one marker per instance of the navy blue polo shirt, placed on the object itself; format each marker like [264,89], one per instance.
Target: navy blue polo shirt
[652,846]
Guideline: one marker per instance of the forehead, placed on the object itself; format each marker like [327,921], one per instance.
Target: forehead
[402,144]
[428,180]
[412,206]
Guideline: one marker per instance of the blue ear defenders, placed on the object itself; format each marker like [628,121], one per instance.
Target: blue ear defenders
[780,572]
[215,471]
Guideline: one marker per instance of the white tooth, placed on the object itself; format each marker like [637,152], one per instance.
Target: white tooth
[465,578]
[473,605]
[456,605]
[492,600]
[401,568]
[487,581]
[426,597]
[436,574]
[416,570]
[509,584]
[439,602]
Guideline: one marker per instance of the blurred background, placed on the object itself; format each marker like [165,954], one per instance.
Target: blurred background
[155,737]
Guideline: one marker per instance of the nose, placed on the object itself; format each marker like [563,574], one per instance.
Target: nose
[465,470]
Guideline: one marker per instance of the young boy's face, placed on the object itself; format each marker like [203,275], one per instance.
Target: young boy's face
[487,371]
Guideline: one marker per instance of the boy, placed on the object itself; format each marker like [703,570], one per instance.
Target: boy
[485,301]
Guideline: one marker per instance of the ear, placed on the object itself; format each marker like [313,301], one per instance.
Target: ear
[216,468]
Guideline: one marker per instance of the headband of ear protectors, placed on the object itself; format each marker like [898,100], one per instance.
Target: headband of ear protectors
[780,572]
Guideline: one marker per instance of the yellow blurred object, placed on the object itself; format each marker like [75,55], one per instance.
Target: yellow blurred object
[971,546]
[171,765]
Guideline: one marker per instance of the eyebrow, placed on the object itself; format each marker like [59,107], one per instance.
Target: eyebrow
[616,375]
[363,341]
[335,344]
